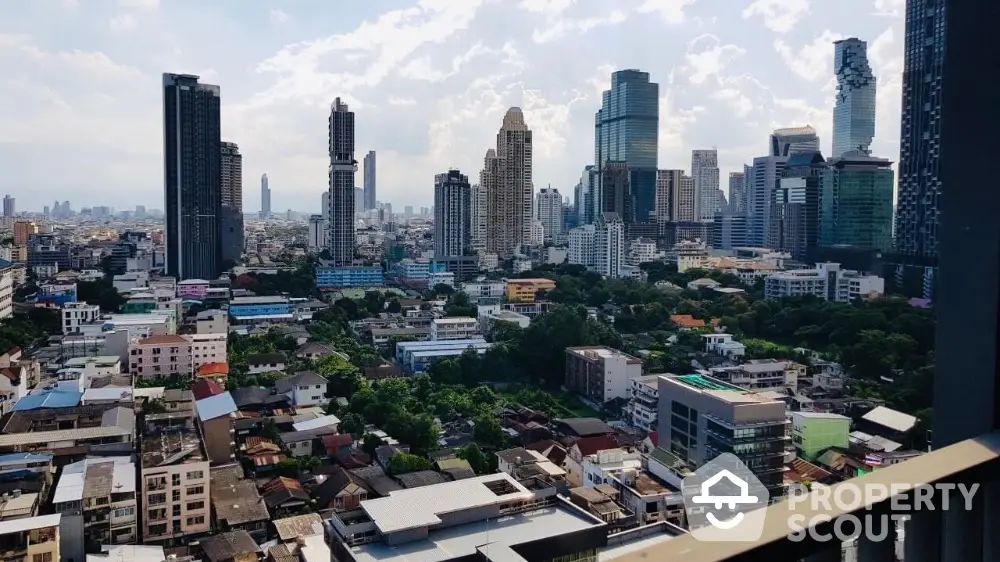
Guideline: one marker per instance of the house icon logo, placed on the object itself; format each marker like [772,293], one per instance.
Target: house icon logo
[723,500]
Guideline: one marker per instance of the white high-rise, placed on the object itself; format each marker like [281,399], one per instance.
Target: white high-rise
[581,245]
[854,109]
[265,198]
[317,232]
[507,178]
[340,220]
[705,173]
[478,217]
[549,210]
[609,245]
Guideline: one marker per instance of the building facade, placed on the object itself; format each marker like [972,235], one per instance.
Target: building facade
[766,173]
[340,222]
[795,214]
[265,197]
[856,203]
[549,210]
[192,152]
[601,373]
[452,214]
[369,181]
[609,246]
[705,173]
[826,281]
[854,109]
[232,202]
[737,193]
[507,176]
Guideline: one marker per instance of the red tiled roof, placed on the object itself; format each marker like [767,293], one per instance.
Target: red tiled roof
[267,460]
[590,445]
[203,388]
[333,443]
[211,369]
[686,321]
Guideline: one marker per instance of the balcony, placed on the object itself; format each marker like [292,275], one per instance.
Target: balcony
[928,535]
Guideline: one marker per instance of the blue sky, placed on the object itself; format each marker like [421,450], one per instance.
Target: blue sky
[429,81]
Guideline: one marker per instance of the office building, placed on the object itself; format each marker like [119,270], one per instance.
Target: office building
[317,232]
[232,202]
[507,178]
[666,180]
[369,181]
[737,193]
[8,206]
[917,204]
[479,217]
[616,191]
[701,417]
[192,155]
[795,213]
[340,221]
[854,109]
[728,232]
[609,245]
[588,196]
[826,281]
[600,373]
[856,203]
[265,197]
[765,174]
[626,130]
[549,210]
[705,173]
[678,196]
[452,214]
[48,250]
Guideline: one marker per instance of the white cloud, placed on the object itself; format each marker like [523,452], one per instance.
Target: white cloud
[890,8]
[779,15]
[548,7]
[140,4]
[814,61]
[70,3]
[278,17]
[122,23]
[393,100]
[707,56]
[562,27]
[670,10]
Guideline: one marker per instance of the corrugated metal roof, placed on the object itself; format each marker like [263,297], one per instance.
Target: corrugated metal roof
[215,406]
[50,399]
[322,421]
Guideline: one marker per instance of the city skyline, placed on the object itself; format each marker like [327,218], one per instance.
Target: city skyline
[712,81]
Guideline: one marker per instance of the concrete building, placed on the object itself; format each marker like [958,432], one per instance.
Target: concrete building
[232,202]
[765,174]
[526,290]
[317,232]
[728,232]
[212,322]
[762,374]
[815,432]
[215,423]
[329,278]
[193,177]
[795,216]
[507,174]
[304,389]
[265,197]
[641,250]
[168,355]
[854,109]
[600,373]
[97,500]
[705,175]
[701,417]
[826,281]
[340,222]
[370,193]
[609,245]
[415,356]
[581,245]
[478,216]
[8,206]
[457,328]
[452,214]
[738,193]
[616,191]
[174,481]
[644,399]
[35,539]
[548,210]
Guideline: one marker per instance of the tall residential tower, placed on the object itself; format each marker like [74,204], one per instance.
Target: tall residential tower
[369,179]
[507,179]
[232,202]
[705,173]
[192,155]
[265,198]
[452,214]
[340,222]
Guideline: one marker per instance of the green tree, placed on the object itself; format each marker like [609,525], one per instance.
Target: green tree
[488,432]
[477,459]
[352,423]
[370,442]
[401,463]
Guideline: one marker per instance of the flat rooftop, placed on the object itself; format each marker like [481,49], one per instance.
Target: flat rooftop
[604,352]
[106,360]
[235,301]
[463,540]
[720,389]
[176,445]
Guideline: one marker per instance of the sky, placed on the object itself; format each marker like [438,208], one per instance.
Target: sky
[429,82]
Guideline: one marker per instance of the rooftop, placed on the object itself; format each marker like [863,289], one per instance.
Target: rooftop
[175,444]
[11,526]
[163,340]
[719,389]
[99,360]
[97,477]
[603,352]
[258,300]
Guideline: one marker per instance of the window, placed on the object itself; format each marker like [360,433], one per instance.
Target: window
[175,479]
[196,505]
[123,512]
[195,490]
[195,475]
[157,499]
[44,557]
[175,495]
[196,520]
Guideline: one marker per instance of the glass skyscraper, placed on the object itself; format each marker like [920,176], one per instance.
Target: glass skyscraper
[856,203]
[854,110]
[626,129]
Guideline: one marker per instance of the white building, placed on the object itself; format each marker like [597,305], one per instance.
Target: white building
[537,233]
[459,328]
[78,374]
[436,278]
[581,245]
[644,399]
[6,289]
[212,322]
[762,374]
[489,318]
[642,250]
[76,313]
[484,289]
[304,389]
[600,373]
[826,281]
[317,232]
[609,245]
[131,280]
[549,210]
[705,174]
[724,345]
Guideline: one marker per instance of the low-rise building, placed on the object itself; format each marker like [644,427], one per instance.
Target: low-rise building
[97,500]
[265,363]
[416,356]
[74,314]
[525,290]
[331,278]
[815,432]
[826,281]
[304,389]
[216,414]
[212,322]
[644,399]
[34,538]
[490,318]
[600,373]
[257,309]
[762,374]
[80,373]
[455,328]
[724,345]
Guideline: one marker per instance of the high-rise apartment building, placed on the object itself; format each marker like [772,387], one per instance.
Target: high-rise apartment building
[507,178]
[588,196]
[919,191]
[369,179]
[609,245]
[738,192]
[626,129]
[340,221]
[549,210]
[232,202]
[265,198]
[767,170]
[856,203]
[854,110]
[8,206]
[666,180]
[795,216]
[581,246]
[452,214]
[705,173]
[478,218]
[192,152]
[683,204]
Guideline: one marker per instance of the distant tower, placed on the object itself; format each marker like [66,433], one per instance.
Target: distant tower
[507,179]
[8,206]
[340,221]
[232,202]
[265,198]
[854,110]
[705,173]
[548,209]
[369,179]
[452,214]
[193,177]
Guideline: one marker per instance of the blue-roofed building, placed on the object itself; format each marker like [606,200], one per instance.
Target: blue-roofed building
[215,415]
[13,465]
[249,308]
[56,294]
[49,399]
[344,277]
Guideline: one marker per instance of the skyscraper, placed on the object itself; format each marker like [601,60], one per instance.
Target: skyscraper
[8,206]
[232,202]
[738,192]
[452,214]
[192,153]
[705,173]
[548,209]
[342,169]
[369,179]
[856,203]
[479,217]
[626,129]
[666,180]
[507,178]
[919,190]
[854,110]
[588,204]
[795,213]
[265,198]
[766,173]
